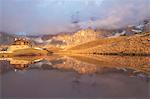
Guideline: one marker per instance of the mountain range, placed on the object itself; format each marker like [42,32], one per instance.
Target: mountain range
[79,37]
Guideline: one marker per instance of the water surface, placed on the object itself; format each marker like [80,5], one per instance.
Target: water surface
[75,76]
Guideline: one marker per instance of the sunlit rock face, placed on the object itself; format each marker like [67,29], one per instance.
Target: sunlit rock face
[79,37]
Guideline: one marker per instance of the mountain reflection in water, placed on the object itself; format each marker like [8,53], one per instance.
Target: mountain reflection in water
[75,75]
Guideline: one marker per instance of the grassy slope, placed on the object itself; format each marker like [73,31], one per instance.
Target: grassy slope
[138,44]
[96,43]
[29,51]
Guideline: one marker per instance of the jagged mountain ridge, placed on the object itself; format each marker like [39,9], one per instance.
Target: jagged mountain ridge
[78,37]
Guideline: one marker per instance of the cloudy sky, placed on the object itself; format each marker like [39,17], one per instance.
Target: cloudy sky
[54,16]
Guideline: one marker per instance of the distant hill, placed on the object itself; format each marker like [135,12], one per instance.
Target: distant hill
[6,39]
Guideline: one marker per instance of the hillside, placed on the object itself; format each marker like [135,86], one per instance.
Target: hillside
[29,52]
[80,36]
[6,38]
[137,44]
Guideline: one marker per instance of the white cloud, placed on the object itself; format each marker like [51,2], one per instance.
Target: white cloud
[123,12]
[53,16]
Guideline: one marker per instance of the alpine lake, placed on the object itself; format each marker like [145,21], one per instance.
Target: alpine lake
[79,76]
